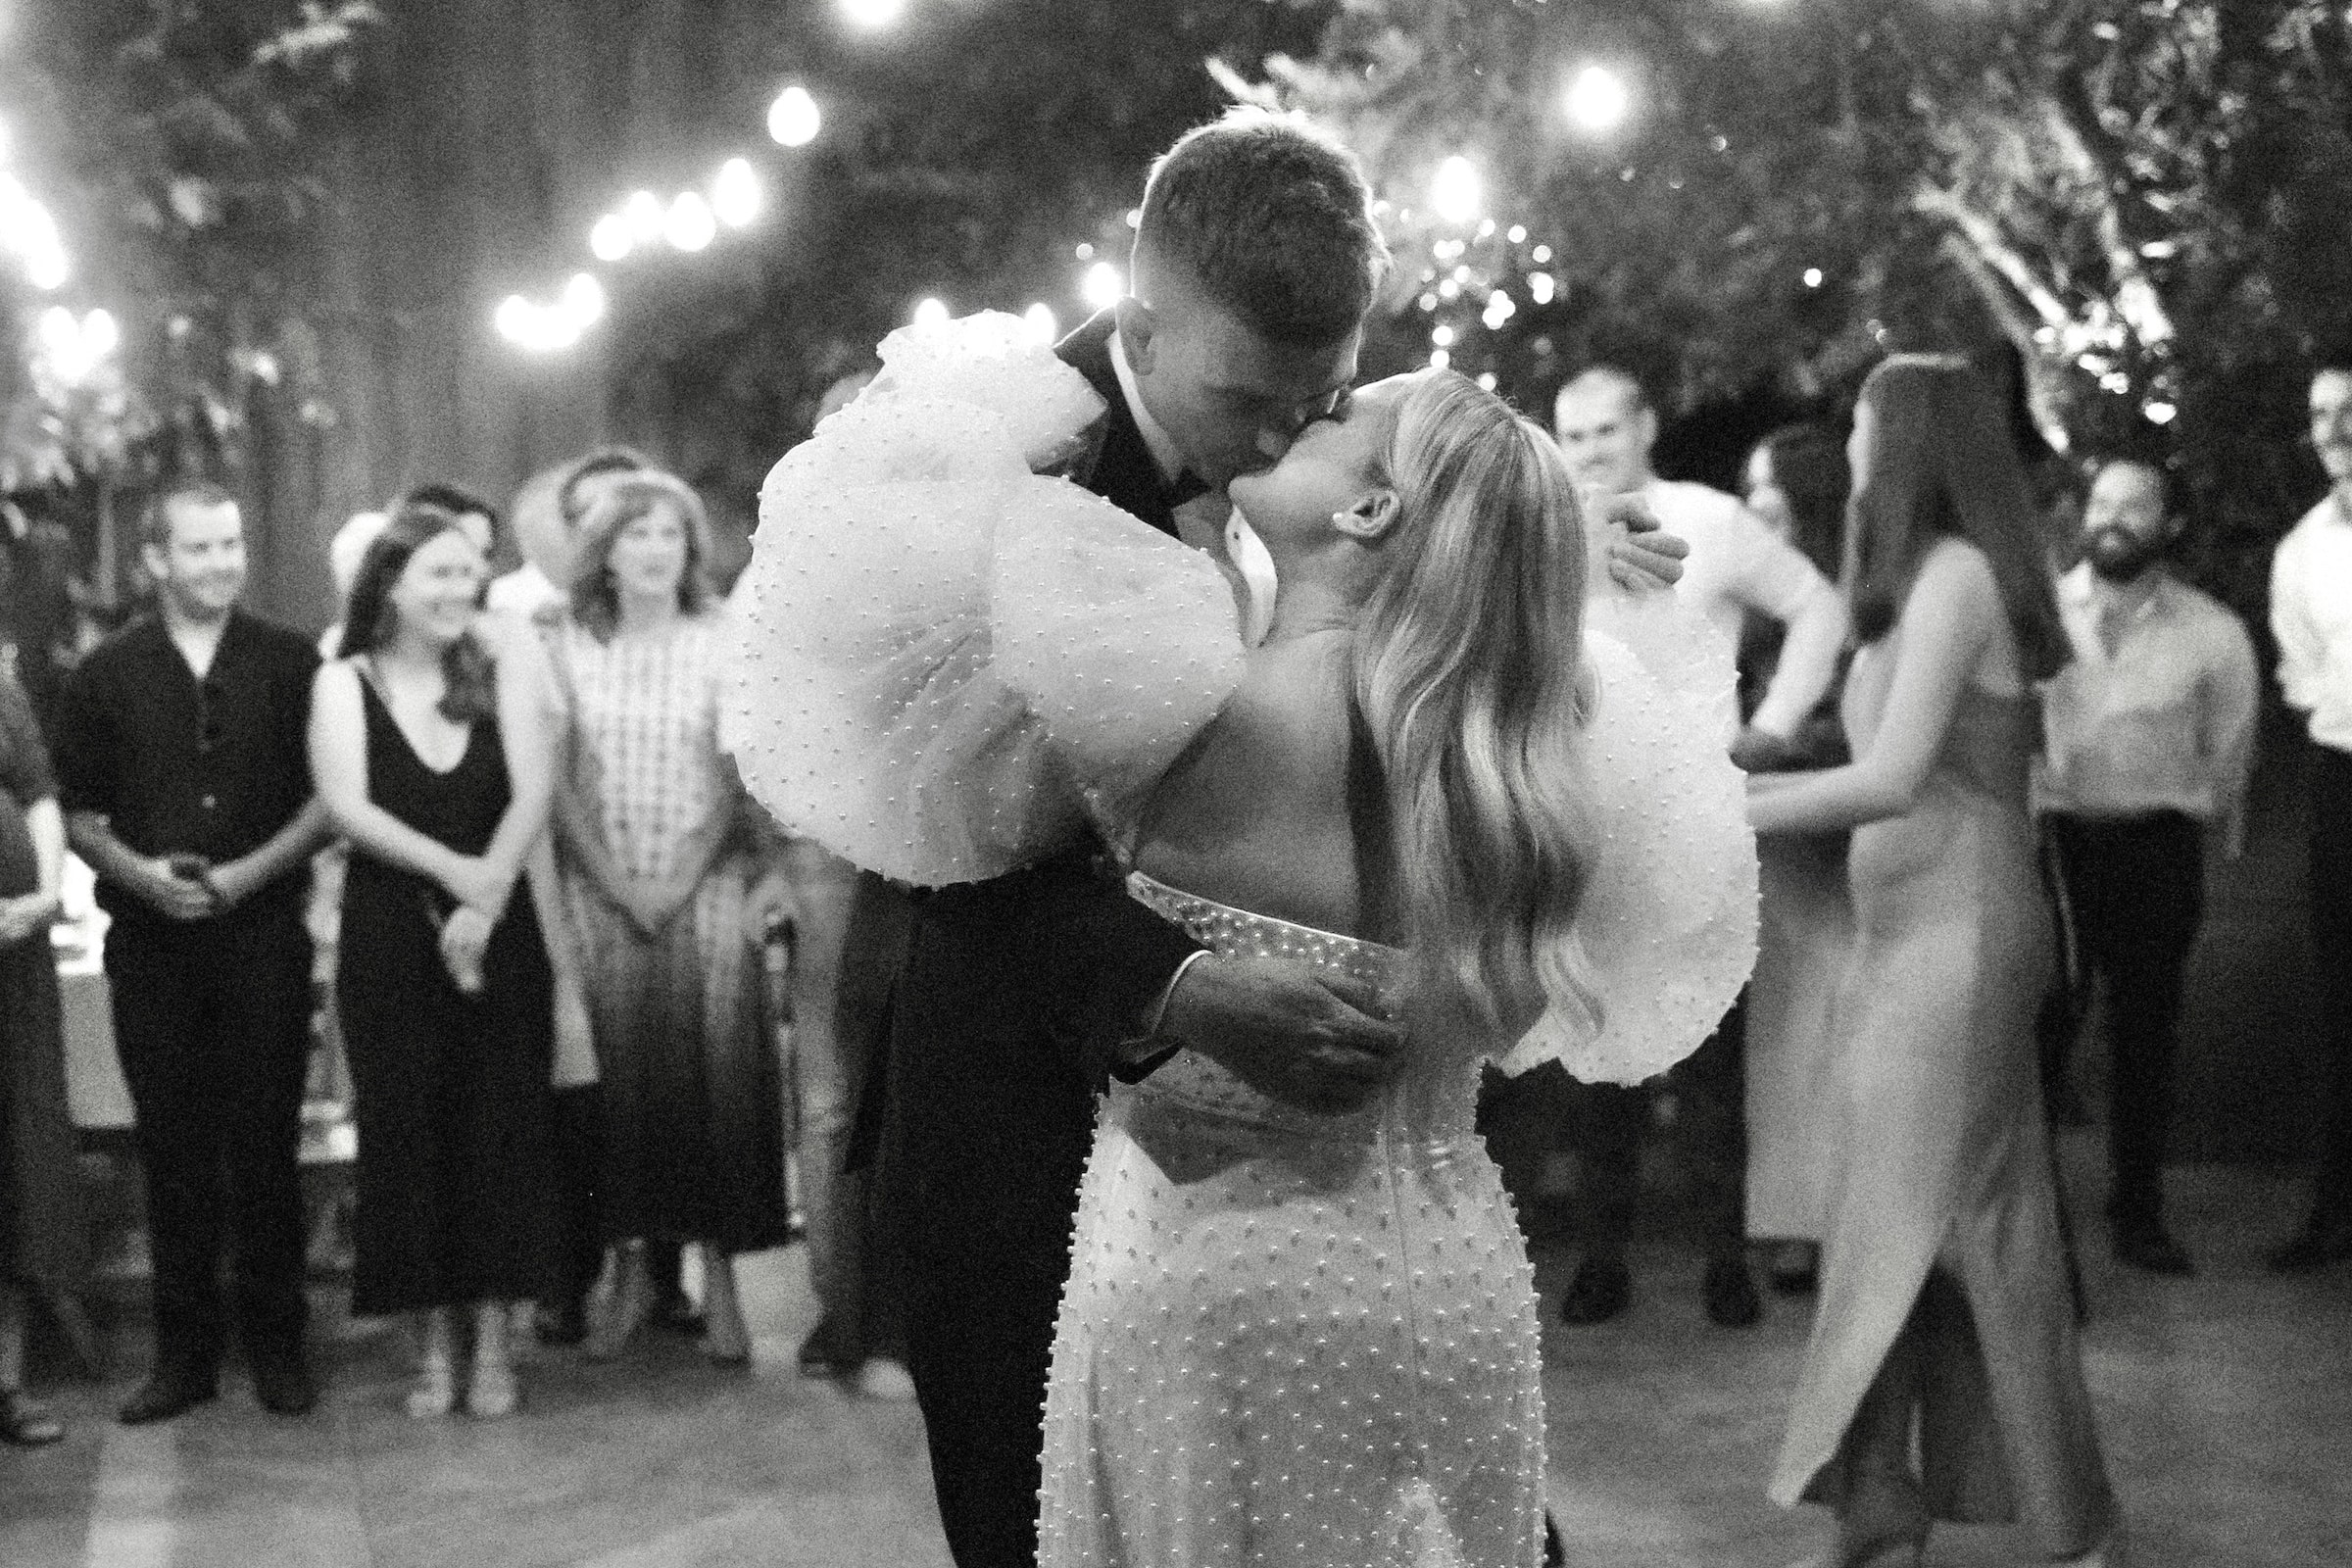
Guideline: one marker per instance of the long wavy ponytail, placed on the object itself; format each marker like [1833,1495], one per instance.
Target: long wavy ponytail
[1470,672]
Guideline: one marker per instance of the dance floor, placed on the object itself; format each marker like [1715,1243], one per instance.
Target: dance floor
[2226,1402]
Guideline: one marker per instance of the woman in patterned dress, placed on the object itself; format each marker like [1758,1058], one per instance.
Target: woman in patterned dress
[664,871]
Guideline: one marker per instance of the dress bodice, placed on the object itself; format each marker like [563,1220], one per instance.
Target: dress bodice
[1431,1099]
[1987,746]
[459,807]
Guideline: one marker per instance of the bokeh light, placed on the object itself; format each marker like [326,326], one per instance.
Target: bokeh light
[1457,192]
[735,194]
[793,120]
[1104,287]
[1598,98]
[690,225]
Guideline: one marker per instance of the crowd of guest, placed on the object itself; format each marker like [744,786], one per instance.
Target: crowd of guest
[553,917]
[557,911]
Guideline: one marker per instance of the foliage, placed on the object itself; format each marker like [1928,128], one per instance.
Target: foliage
[2144,197]
[968,154]
[179,144]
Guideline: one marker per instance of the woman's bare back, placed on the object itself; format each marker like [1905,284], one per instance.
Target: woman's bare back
[1255,812]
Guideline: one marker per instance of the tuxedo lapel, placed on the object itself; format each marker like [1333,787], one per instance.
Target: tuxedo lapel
[1119,466]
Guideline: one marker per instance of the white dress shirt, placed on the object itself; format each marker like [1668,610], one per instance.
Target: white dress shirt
[1738,564]
[2311,615]
[2157,710]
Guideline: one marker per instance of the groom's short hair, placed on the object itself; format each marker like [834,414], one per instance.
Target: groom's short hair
[1273,218]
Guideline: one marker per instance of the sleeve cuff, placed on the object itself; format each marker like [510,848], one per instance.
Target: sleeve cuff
[1138,1057]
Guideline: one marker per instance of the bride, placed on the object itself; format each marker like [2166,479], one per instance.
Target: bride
[1286,1338]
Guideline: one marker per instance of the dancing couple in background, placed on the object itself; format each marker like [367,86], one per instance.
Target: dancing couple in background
[1286,837]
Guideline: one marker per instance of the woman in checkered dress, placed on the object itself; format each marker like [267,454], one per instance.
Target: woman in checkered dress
[663,861]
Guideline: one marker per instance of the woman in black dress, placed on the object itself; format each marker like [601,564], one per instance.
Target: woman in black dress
[41,1234]
[436,763]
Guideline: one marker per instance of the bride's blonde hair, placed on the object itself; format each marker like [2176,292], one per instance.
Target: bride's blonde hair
[1470,672]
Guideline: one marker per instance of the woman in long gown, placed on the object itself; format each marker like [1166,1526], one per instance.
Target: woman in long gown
[43,1243]
[436,764]
[664,876]
[1944,1329]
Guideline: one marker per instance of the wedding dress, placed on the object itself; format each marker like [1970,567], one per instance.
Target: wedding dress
[1286,1339]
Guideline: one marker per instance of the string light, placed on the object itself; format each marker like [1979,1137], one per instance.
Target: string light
[1812,277]
[931,312]
[1457,192]
[2160,413]
[1598,98]
[793,120]
[644,213]
[1043,329]
[1104,287]
[735,194]
[610,239]
[873,12]
[28,229]
[71,346]
[690,225]
[1540,287]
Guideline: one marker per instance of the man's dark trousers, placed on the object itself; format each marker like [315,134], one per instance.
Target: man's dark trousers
[211,1023]
[2136,888]
[1710,1132]
[2331,967]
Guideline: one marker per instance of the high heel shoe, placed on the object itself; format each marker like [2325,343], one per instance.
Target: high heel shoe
[726,1340]
[492,1392]
[435,1392]
[26,1423]
[625,1311]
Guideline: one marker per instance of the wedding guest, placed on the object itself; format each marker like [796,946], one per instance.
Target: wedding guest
[2151,738]
[667,885]
[1738,567]
[180,748]
[1943,1379]
[44,1240]
[2311,615]
[1796,485]
[848,930]
[436,763]
[548,513]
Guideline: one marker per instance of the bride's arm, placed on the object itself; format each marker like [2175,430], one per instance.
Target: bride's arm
[1947,620]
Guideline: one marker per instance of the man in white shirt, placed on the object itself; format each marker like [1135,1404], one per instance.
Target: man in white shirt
[2149,739]
[2311,615]
[1737,565]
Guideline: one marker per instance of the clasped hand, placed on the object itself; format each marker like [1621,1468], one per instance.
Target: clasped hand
[1305,1035]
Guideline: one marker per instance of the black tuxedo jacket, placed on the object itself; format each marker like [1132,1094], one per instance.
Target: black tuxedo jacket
[1013,995]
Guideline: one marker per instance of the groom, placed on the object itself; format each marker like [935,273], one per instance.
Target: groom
[1255,263]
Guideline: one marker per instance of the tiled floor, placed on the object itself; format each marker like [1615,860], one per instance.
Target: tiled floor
[2226,1402]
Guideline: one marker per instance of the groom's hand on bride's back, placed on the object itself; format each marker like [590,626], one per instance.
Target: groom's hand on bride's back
[1298,1034]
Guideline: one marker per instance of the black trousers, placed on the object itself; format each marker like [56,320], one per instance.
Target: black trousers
[2331,968]
[579,1249]
[2137,889]
[212,1026]
[1710,1134]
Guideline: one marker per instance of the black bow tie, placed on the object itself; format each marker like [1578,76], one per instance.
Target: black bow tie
[1186,486]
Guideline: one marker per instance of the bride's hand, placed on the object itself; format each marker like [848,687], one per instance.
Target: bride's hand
[1302,1035]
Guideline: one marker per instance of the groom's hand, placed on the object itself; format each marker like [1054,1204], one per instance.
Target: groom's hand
[1294,1032]
[1642,556]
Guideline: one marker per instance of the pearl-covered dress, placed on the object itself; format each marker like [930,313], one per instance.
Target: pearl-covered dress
[1286,1339]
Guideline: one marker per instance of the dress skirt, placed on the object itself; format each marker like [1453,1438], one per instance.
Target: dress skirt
[1944,1166]
[1804,942]
[451,1096]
